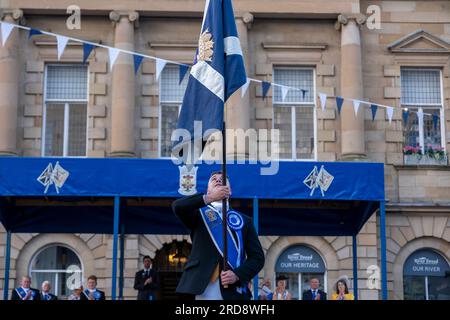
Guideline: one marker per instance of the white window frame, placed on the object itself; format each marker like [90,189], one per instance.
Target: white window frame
[293,107]
[66,103]
[425,106]
[54,283]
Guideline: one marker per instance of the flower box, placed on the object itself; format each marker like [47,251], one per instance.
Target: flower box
[432,156]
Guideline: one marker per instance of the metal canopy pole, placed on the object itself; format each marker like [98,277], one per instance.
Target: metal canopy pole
[115,242]
[355,266]
[7,265]
[121,260]
[384,293]
[256,224]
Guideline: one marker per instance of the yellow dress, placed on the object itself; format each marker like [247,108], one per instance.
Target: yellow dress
[348,296]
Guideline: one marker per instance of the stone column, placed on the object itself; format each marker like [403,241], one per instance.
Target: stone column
[9,87]
[123,95]
[352,127]
[238,108]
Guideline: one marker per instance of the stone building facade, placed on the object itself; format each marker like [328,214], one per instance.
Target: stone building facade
[326,45]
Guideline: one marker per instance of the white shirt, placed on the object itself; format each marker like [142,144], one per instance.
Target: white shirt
[212,292]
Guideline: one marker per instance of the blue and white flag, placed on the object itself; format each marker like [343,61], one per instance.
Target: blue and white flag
[217,72]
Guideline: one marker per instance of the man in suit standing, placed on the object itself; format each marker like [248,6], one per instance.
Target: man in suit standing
[45,292]
[146,281]
[203,277]
[92,293]
[25,292]
[314,293]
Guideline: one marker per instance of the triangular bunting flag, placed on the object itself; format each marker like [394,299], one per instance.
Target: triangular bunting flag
[61,43]
[33,32]
[284,92]
[183,70]
[265,88]
[137,62]
[339,102]
[390,113]
[113,54]
[244,88]
[356,104]
[87,49]
[323,101]
[160,64]
[6,31]
[405,115]
[374,108]
[303,93]
[435,120]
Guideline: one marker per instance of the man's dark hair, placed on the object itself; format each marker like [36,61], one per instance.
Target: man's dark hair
[93,278]
[146,257]
[218,172]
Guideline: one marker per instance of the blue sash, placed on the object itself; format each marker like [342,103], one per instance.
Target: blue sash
[213,223]
[22,294]
[96,294]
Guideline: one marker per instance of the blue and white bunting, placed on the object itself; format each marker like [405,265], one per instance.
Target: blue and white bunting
[113,53]
[61,43]
[373,108]
[265,88]
[323,101]
[87,49]
[160,64]
[33,32]
[339,102]
[303,93]
[284,92]
[6,31]
[390,113]
[244,88]
[182,72]
[356,104]
[137,59]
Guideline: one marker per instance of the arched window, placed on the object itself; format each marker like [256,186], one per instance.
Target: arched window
[59,265]
[426,276]
[299,264]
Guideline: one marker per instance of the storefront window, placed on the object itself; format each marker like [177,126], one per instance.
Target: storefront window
[426,276]
[299,264]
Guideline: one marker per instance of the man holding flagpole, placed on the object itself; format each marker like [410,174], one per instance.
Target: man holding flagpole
[217,234]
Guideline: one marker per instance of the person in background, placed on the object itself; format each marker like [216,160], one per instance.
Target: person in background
[342,292]
[146,281]
[25,292]
[92,293]
[314,293]
[265,290]
[76,293]
[280,291]
[45,292]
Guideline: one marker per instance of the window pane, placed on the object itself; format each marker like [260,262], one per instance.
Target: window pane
[282,122]
[305,132]
[171,91]
[421,86]
[54,130]
[55,258]
[77,130]
[414,288]
[439,288]
[296,78]
[432,134]
[169,118]
[66,82]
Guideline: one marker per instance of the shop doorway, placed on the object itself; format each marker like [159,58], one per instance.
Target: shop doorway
[169,262]
[299,264]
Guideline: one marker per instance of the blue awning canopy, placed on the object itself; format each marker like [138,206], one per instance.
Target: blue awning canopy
[72,195]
